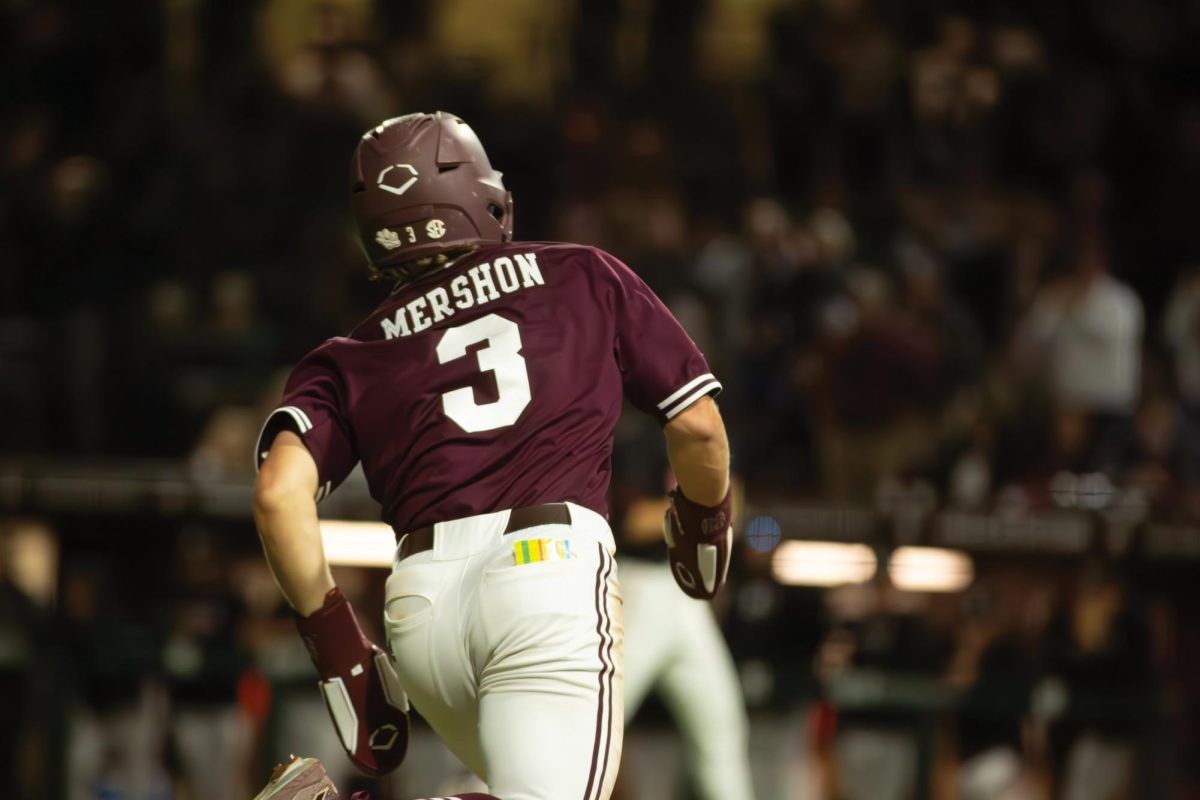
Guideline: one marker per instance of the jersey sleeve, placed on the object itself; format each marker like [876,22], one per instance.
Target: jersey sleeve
[312,407]
[662,369]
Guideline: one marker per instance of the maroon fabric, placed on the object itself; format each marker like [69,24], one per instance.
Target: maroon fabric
[693,525]
[339,650]
[333,637]
[591,332]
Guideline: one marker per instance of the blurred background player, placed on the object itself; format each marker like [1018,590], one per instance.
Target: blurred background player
[674,647]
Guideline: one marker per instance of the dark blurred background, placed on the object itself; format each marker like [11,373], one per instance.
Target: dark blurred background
[943,256]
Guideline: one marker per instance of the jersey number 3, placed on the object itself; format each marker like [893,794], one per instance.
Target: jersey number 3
[501,356]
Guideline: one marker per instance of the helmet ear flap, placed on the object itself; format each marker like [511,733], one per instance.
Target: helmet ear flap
[507,223]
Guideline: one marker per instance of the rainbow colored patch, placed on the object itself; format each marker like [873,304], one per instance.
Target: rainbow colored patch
[531,551]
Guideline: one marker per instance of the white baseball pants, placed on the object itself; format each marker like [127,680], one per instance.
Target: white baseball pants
[516,666]
[673,646]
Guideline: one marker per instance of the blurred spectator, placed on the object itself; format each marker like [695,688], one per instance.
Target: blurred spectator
[119,729]
[267,630]
[995,667]
[930,306]
[1098,648]
[1158,454]
[1085,331]
[29,678]
[880,372]
[1181,329]
[204,663]
[880,630]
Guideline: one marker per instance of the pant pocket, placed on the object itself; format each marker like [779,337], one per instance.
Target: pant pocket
[410,594]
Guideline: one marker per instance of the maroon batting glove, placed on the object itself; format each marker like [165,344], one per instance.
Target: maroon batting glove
[699,539]
[361,691]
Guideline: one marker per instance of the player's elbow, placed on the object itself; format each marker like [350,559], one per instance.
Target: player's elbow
[699,423]
[275,492]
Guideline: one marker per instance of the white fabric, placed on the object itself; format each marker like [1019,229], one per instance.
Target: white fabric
[120,751]
[875,764]
[345,718]
[674,647]
[1093,349]
[1098,768]
[215,748]
[993,774]
[515,667]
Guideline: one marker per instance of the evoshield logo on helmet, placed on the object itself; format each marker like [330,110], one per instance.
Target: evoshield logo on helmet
[400,175]
[388,239]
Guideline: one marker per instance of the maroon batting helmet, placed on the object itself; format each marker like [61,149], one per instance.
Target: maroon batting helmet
[422,186]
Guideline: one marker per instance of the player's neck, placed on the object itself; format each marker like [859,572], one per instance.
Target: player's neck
[435,269]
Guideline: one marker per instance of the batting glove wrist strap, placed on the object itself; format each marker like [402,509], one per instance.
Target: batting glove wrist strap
[359,685]
[699,539]
[332,635]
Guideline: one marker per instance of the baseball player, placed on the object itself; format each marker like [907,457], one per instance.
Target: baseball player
[674,648]
[480,398]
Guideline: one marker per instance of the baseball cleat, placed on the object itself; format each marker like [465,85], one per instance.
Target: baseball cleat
[299,779]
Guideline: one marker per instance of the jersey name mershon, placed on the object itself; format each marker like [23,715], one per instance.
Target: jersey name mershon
[479,285]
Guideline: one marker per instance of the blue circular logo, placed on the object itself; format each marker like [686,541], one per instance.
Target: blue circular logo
[763,534]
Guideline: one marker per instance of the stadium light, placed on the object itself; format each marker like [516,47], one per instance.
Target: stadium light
[930,569]
[357,544]
[796,563]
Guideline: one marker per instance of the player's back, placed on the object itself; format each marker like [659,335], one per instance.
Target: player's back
[493,384]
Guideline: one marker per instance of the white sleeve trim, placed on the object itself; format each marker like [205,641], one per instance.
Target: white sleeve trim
[711,386]
[301,418]
[303,425]
[682,390]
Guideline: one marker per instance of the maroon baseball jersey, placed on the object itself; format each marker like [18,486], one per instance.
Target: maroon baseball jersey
[493,384]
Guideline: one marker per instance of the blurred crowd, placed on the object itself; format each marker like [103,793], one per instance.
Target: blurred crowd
[931,242]
[936,248]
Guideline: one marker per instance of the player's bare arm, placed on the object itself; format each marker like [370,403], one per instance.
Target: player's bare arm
[698,525]
[285,511]
[699,452]
[358,682]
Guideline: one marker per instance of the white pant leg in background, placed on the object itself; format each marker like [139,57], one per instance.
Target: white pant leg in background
[674,646]
[120,752]
[303,715]
[516,667]
[875,764]
[215,747]
[1098,768]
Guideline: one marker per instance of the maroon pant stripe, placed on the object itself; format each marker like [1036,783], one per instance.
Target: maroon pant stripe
[604,700]
[612,671]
